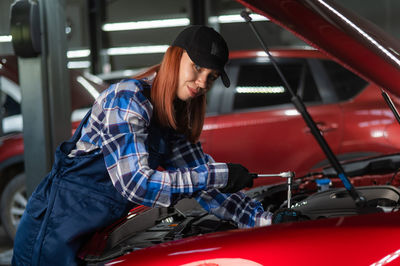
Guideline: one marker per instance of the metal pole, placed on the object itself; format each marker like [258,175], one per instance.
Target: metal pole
[197,10]
[45,103]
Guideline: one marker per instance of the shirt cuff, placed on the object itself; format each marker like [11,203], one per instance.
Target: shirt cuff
[263,219]
[218,175]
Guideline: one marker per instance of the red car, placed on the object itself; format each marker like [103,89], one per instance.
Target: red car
[255,114]
[84,89]
[332,228]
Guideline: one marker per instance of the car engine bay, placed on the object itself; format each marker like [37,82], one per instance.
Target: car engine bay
[152,226]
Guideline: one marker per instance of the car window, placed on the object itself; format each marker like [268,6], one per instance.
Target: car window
[10,97]
[346,83]
[9,105]
[259,85]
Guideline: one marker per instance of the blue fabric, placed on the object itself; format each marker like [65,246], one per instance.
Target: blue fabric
[74,200]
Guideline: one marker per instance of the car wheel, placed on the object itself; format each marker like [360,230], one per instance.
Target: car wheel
[13,204]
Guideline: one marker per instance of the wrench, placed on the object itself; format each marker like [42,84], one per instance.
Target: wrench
[289,175]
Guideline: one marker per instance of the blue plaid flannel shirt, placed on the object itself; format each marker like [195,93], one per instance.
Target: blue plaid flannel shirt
[119,128]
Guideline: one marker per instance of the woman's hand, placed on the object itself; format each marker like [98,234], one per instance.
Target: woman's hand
[238,178]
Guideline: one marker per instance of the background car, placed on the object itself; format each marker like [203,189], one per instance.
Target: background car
[253,122]
[84,89]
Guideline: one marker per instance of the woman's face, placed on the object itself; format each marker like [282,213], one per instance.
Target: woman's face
[193,80]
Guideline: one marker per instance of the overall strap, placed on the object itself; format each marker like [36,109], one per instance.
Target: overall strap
[145,88]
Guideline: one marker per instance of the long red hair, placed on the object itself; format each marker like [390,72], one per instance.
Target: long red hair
[186,117]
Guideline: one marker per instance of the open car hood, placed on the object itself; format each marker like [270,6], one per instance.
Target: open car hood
[353,41]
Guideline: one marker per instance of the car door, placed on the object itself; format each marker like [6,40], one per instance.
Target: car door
[261,129]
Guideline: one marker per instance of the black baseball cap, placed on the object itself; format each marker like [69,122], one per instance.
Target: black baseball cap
[206,48]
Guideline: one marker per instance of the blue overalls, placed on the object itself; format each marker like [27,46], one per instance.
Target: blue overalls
[74,200]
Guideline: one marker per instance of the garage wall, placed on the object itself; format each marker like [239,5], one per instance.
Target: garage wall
[5,47]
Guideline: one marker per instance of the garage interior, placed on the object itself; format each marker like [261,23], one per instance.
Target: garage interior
[114,39]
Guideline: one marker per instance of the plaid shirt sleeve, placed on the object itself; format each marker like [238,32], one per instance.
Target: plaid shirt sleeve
[124,118]
[236,207]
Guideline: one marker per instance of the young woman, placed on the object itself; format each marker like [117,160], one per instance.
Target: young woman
[138,145]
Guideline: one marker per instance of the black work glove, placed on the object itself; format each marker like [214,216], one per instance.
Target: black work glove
[238,178]
[287,215]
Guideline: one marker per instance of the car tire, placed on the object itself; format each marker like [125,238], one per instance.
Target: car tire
[13,204]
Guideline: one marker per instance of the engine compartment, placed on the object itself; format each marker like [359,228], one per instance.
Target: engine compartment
[152,226]
[187,218]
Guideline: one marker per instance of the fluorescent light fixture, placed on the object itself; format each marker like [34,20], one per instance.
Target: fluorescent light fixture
[89,87]
[259,89]
[174,22]
[78,64]
[235,18]
[150,49]
[78,53]
[5,38]
[146,24]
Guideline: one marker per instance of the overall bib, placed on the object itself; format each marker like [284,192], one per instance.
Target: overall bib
[74,200]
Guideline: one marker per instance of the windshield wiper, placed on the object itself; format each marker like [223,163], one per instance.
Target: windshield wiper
[301,108]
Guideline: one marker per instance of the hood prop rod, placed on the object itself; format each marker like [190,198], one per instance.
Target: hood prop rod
[301,108]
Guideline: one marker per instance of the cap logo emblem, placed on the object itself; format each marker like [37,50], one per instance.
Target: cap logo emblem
[214,49]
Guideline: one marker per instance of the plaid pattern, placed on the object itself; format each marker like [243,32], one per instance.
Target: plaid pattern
[119,128]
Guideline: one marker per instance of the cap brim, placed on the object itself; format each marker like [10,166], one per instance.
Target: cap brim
[225,79]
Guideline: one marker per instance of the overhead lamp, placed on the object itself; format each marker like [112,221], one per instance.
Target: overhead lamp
[150,49]
[5,38]
[146,24]
[78,64]
[78,53]
[174,22]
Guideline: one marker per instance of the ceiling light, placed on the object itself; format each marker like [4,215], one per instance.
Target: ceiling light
[149,24]
[5,38]
[78,53]
[78,64]
[151,49]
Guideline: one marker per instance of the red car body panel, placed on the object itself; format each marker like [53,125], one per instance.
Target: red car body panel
[364,112]
[289,133]
[11,146]
[336,241]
